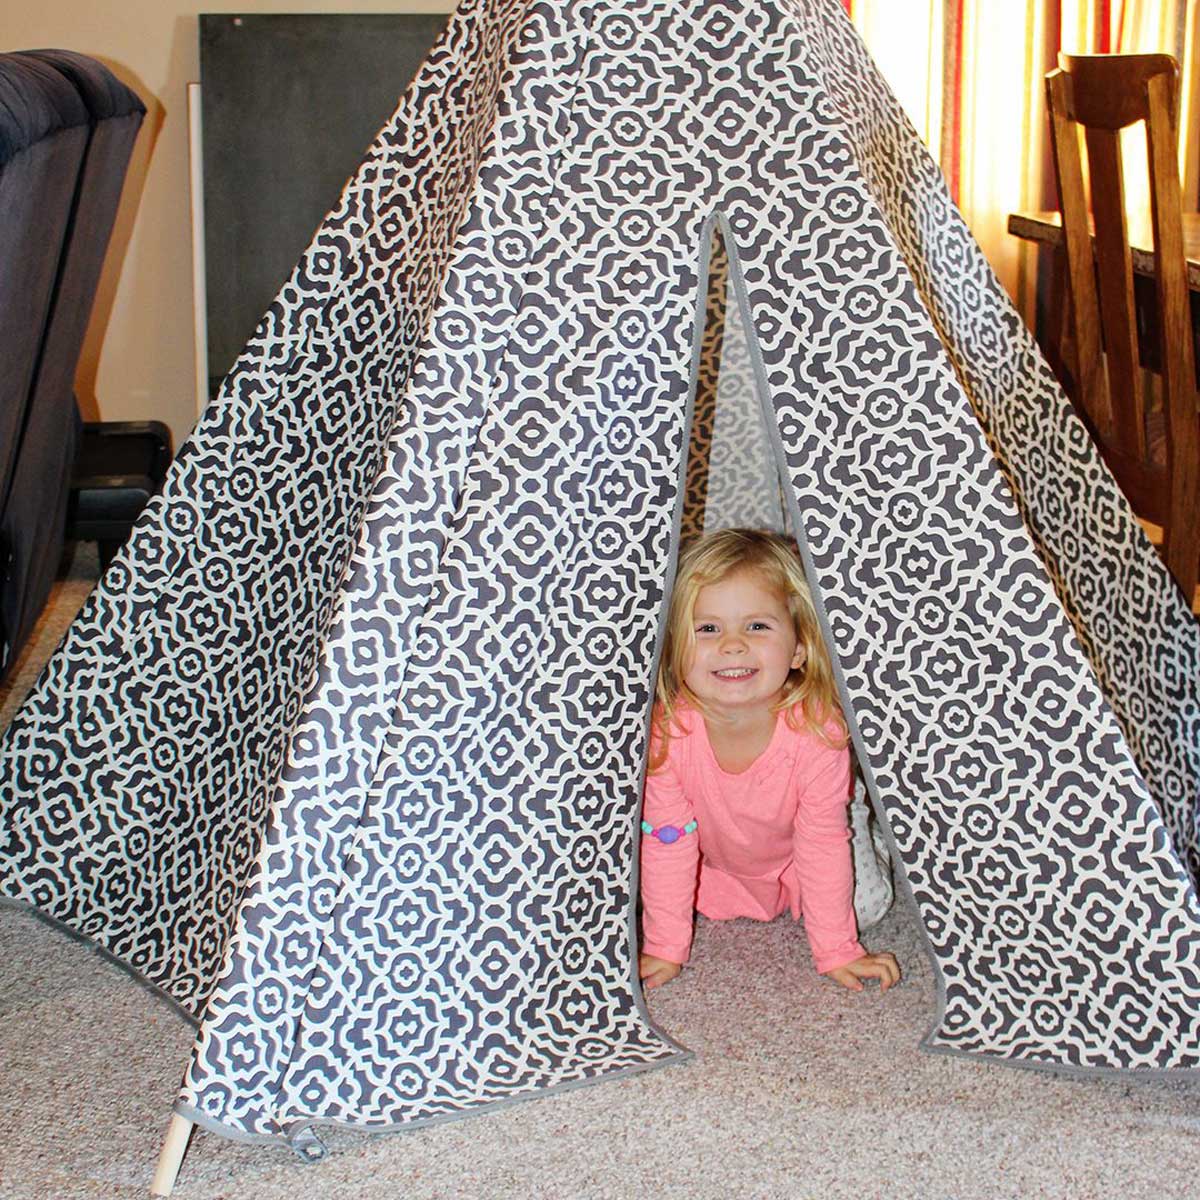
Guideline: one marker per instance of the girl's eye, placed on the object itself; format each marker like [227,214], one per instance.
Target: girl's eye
[706,628]
[756,626]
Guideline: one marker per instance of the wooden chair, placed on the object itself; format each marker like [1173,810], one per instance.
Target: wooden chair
[1157,466]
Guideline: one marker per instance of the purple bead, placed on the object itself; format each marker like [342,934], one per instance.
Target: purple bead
[668,834]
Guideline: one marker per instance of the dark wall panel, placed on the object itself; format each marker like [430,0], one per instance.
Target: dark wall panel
[291,104]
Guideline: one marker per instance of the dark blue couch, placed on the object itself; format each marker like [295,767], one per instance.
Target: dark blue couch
[67,128]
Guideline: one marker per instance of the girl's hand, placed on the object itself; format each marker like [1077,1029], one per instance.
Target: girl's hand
[654,972]
[883,967]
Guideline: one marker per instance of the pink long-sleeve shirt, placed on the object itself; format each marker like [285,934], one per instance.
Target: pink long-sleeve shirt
[769,839]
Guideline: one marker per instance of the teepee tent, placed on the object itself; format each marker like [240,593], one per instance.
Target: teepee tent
[345,751]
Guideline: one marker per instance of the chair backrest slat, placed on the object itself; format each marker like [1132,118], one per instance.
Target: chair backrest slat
[1092,383]
[1178,358]
[1114,271]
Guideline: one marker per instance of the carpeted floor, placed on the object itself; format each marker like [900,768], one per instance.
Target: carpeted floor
[797,1090]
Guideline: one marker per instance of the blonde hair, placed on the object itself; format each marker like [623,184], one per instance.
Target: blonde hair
[809,695]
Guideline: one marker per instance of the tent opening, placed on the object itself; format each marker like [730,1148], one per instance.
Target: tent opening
[733,479]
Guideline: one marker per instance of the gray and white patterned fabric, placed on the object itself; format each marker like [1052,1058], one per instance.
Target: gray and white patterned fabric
[345,751]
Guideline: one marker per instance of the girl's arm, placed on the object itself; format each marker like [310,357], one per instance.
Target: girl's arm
[821,850]
[668,868]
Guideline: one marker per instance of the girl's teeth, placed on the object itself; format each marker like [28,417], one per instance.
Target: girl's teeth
[735,673]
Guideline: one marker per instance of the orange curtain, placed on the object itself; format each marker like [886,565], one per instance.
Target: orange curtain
[970,76]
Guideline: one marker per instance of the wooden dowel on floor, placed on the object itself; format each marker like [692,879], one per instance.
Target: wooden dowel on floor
[169,1159]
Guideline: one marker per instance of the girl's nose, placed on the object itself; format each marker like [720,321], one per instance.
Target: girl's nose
[733,643]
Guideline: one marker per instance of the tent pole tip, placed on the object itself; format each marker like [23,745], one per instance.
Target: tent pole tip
[171,1157]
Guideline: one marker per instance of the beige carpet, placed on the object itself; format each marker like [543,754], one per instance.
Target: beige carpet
[76,578]
[797,1090]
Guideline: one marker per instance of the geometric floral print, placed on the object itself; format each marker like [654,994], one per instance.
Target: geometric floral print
[345,751]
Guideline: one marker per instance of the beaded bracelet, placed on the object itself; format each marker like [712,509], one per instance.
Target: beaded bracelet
[668,833]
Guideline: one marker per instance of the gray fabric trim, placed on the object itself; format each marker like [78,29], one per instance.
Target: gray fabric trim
[27,909]
[1126,1074]
[297,1128]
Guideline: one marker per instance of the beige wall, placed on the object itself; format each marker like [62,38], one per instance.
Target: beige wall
[138,360]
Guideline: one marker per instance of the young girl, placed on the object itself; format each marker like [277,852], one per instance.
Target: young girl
[748,783]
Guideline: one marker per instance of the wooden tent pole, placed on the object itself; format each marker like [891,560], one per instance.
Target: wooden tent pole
[171,1156]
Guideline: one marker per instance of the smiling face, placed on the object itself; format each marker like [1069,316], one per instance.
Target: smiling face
[745,645]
